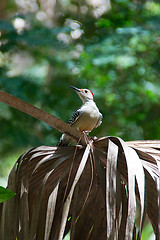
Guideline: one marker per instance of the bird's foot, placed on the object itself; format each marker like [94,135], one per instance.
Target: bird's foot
[86,132]
[94,138]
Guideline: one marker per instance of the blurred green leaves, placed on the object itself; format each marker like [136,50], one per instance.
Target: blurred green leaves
[153,8]
[5,194]
[116,55]
[44,49]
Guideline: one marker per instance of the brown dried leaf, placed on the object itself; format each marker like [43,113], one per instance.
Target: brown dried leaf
[111,191]
[69,197]
[44,177]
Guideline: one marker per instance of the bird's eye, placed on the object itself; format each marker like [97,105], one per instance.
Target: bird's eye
[86,91]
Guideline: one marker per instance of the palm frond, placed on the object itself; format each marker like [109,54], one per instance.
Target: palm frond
[90,191]
[95,185]
[41,115]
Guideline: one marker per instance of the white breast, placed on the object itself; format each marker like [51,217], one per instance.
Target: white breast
[89,117]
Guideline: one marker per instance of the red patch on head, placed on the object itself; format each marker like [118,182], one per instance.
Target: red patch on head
[83,90]
[92,94]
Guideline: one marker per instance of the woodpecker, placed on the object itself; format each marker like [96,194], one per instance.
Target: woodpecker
[85,118]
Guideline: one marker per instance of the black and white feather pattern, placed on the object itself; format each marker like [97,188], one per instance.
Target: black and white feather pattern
[75,116]
[64,138]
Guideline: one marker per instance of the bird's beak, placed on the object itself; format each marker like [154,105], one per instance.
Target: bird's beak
[76,89]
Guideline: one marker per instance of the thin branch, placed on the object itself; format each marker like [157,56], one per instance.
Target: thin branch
[42,116]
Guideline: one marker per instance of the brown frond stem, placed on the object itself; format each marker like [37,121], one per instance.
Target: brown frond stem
[42,116]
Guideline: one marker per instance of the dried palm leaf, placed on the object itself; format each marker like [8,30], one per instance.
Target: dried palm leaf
[95,185]
[44,200]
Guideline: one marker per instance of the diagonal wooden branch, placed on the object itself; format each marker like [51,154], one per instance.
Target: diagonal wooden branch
[42,116]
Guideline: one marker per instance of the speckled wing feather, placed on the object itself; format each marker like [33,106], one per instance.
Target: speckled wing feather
[65,140]
[75,116]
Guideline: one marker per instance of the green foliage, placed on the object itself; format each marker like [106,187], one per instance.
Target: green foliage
[147,232]
[5,194]
[116,55]
[8,162]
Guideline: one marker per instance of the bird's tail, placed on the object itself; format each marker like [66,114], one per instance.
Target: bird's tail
[64,140]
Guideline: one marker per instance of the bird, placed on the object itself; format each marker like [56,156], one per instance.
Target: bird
[85,118]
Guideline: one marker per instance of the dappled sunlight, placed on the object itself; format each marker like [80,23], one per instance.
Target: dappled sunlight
[109,47]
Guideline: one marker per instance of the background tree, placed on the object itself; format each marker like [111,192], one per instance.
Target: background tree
[45,48]
[114,53]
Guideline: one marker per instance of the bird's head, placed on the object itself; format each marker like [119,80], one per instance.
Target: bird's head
[84,94]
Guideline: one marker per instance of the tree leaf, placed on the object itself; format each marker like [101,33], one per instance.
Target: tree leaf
[69,197]
[44,201]
[5,194]
[111,191]
[50,211]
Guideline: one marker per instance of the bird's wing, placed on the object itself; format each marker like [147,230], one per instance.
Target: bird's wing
[75,116]
[99,121]
[65,140]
